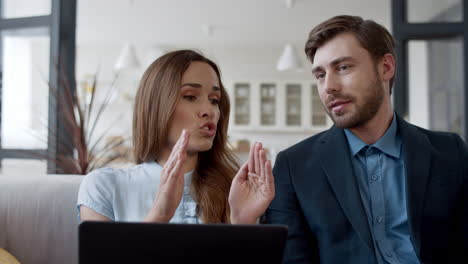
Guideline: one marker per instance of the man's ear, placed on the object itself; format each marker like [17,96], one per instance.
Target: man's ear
[387,67]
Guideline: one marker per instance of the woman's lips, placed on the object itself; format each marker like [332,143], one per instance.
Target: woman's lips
[207,132]
[208,129]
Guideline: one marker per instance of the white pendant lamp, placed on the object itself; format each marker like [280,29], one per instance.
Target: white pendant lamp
[289,59]
[289,3]
[127,59]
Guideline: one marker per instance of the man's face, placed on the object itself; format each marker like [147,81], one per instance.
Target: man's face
[348,81]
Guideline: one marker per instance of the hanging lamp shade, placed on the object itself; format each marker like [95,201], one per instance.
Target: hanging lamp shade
[289,59]
[290,3]
[127,58]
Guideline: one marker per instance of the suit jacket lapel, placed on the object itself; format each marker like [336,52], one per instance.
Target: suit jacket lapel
[417,157]
[336,163]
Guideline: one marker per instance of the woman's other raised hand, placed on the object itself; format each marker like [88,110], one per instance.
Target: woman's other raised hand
[253,188]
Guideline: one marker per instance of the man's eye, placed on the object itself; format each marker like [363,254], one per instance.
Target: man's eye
[320,76]
[343,67]
[190,97]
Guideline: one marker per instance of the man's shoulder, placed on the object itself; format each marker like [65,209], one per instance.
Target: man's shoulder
[307,144]
[435,136]
[440,141]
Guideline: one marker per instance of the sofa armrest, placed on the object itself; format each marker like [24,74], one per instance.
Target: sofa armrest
[38,219]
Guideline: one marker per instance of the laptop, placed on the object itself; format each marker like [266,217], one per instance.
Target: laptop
[124,242]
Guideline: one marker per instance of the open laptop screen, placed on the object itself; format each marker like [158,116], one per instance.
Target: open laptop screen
[124,242]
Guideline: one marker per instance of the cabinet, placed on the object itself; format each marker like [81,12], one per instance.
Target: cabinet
[277,106]
[267,104]
[319,116]
[241,101]
[293,104]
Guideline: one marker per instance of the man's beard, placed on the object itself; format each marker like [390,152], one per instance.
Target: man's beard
[372,100]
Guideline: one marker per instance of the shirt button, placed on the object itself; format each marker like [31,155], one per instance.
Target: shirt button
[389,254]
[379,219]
[374,177]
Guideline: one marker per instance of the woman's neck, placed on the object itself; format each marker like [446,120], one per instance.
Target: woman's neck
[190,163]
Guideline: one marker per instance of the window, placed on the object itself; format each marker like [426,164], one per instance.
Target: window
[432,56]
[35,37]
[24,88]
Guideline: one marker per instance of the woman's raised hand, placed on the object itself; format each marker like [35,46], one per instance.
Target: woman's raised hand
[171,185]
[252,189]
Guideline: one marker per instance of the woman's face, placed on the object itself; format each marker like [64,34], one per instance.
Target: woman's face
[197,108]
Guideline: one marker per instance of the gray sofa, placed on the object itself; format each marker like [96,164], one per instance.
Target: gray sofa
[38,220]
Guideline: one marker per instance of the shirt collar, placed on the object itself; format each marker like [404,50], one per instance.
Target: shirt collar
[389,143]
[153,168]
[355,144]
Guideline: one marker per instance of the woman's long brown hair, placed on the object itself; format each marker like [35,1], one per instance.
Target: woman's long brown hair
[155,101]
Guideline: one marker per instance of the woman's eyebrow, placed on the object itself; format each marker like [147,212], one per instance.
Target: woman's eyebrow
[197,85]
[194,85]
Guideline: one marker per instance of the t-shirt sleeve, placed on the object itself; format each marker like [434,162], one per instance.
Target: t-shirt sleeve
[97,192]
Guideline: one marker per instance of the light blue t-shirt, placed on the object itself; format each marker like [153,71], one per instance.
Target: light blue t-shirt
[128,194]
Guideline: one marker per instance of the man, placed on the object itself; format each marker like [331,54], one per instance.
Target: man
[373,188]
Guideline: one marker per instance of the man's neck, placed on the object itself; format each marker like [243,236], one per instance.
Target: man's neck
[375,128]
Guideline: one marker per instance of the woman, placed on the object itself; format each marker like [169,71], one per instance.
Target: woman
[185,172]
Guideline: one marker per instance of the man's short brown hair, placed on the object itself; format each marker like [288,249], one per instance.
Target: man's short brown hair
[372,36]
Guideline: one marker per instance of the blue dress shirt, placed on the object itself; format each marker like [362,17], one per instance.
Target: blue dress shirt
[380,173]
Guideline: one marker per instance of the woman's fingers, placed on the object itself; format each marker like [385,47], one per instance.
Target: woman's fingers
[258,147]
[179,147]
[269,181]
[173,155]
[177,167]
[251,157]
[262,157]
[259,168]
[243,172]
[254,177]
[178,152]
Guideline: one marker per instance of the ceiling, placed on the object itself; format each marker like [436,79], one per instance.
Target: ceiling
[234,22]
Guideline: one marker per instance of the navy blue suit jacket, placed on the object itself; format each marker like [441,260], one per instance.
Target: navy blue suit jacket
[317,197]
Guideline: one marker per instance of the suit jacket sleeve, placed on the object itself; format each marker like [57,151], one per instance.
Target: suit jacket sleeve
[285,209]
[464,221]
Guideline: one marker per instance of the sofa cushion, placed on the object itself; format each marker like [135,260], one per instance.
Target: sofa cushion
[38,218]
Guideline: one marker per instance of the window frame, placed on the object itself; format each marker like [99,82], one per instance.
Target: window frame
[404,31]
[61,24]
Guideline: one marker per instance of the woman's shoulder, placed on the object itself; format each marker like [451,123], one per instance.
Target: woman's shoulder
[102,178]
[112,176]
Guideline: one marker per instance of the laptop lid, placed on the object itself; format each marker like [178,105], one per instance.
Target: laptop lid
[124,242]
